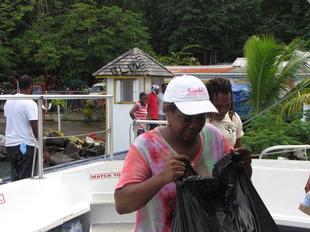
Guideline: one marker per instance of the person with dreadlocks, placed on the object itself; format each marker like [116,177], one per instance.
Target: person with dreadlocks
[226,120]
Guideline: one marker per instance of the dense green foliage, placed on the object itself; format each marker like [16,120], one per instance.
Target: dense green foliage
[72,39]
[69,43]
[267,131]
[220,28]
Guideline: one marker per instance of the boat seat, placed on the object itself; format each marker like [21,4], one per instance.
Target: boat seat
[102,211]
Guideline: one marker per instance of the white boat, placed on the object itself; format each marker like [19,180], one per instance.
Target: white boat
[84,190]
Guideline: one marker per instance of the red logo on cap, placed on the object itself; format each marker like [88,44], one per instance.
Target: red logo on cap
[195,92]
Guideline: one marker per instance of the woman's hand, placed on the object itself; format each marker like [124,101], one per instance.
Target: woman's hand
[245,160]
[141,193]
[175,168]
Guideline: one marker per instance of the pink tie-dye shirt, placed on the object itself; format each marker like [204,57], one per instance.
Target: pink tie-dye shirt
[148,156]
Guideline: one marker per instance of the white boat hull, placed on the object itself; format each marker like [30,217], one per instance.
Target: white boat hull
[41,204]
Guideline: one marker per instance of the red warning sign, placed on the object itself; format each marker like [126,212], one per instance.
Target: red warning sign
[108,175]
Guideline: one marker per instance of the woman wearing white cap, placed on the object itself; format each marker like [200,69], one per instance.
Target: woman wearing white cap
[157,157]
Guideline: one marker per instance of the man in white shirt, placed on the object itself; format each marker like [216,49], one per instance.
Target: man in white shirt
[21,131]
[162,115]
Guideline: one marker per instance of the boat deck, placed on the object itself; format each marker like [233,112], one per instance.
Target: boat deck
[88,190]
[124,227]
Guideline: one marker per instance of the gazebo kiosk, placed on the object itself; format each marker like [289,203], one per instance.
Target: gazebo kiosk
[125,77]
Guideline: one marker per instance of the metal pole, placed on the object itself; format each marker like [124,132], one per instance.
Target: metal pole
[107,124]
[110,123]
[40,135]
[135,129]
[58,117]
[66,109]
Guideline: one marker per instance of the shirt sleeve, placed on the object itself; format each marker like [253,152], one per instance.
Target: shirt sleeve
[239,126]
[32,111]
[135,169]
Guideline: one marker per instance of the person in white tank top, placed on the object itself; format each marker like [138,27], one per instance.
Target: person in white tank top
[226,120]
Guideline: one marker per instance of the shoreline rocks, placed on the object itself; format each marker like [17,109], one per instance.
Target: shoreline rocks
[63,150]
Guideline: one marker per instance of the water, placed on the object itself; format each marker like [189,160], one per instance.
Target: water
[67,127]
[75,127]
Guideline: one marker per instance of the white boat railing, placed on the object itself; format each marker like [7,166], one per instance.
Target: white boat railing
[40,99]
[134,126]
[300,150]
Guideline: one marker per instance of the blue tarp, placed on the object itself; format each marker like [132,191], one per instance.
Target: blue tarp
[241,93]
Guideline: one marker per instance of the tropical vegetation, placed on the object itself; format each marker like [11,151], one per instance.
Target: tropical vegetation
[270,66]
[65,40]
[295,100]
[266,131]
[272,69]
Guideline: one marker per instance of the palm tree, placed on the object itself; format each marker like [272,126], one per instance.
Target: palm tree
[296,99]
[269,66]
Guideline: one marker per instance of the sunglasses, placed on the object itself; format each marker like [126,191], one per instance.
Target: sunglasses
[187,119]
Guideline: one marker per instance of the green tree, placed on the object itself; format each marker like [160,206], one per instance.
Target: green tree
[266,71]
[284,19]
[15,17]
[217,27]
[73,38]
[6,63]
[182,57]
[221,28]
[94,36]
[76,42]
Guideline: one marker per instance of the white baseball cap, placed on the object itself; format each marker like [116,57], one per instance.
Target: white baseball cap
[155,86]
[190,95]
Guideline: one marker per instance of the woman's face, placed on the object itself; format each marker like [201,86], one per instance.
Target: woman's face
[186,127]
[222,102]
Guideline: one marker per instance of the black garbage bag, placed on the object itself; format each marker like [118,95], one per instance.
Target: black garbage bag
[226,202]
